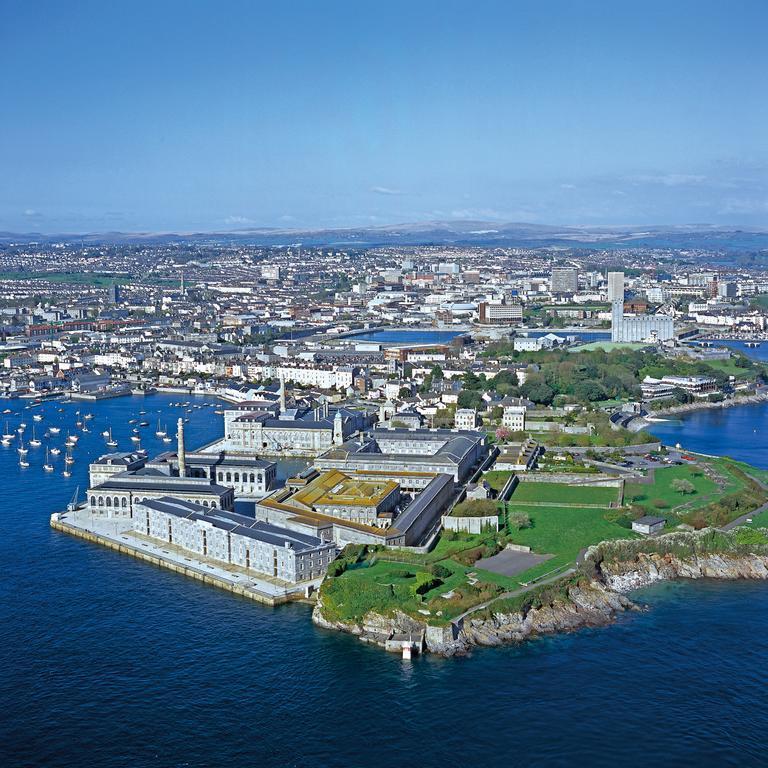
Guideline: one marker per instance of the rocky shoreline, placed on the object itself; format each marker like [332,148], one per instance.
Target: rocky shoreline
[592,600]
[674,410]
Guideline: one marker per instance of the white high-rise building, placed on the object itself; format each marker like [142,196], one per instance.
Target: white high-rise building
[616,287]
[635,328]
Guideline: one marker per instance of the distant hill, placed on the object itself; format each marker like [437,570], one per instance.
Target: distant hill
[459,232]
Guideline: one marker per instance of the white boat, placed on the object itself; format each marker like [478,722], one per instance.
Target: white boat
[69,459]
[54,430]
[88,416]
[38,417]
[5,442]
[22,450]
[135,438]
[34,442]
[167,439]
[66,473]
[23,462]
[48,467]
[73,438]
[111,442]
[105,433]
[8,435]
[7,410]
[55,451]
[160,432]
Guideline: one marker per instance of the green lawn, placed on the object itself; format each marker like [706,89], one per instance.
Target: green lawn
[496,479]
[559,493]
[563,532]
[661,489]
[729,368]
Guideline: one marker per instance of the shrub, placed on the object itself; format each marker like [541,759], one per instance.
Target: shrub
[441,571]
[424,582]
[660,503]
[337,567]
[519,520]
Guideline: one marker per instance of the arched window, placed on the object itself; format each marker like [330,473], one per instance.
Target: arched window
[109,501]
[229,476]
[253,478]
[213,504]
[205,503]
[101,501]
[116,502]
[124,502]
[93,501]
[221,475]
[237,477]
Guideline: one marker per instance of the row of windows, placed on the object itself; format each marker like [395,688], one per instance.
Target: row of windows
[229,477]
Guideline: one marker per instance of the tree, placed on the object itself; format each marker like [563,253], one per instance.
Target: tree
[683,487]
[404,392]
[519,520]
[538,391]
[436,373]
[469,399]
[503,434]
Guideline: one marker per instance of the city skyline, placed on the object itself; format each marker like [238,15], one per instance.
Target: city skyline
[195,118]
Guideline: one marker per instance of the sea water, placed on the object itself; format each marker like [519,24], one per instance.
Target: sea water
[110,662]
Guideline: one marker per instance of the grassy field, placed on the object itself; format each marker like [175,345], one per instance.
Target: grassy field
[563,532]
[729,368]
[662,490]
[558,493]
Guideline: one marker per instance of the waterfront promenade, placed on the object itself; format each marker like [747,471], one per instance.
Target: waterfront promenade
[112,534]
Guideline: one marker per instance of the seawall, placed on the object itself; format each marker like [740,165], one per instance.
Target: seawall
[185,570]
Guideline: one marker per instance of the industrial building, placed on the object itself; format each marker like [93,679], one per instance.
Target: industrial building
[234,539]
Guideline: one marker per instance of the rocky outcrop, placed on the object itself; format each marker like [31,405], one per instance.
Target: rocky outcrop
[645,569]
[595,599]
[589,604]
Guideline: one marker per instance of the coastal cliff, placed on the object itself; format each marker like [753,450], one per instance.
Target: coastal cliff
[591,598]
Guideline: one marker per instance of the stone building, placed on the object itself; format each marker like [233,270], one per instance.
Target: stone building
[234,539]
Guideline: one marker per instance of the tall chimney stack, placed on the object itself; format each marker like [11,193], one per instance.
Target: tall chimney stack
[181,452]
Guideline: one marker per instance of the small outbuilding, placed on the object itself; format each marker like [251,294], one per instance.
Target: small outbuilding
[649,524]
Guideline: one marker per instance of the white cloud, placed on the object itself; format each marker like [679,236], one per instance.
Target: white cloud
[567,186]
[670,179]
[238,220]
[386,191]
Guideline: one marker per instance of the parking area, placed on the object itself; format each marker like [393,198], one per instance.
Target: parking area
[510,563]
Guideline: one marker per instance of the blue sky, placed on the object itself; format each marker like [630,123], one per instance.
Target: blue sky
[306,113]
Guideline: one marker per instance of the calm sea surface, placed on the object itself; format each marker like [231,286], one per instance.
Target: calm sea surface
[107,661]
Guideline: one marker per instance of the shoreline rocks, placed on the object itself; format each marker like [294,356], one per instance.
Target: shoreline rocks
[593,601]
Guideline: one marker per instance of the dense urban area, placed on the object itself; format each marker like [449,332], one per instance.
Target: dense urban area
[422,434]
